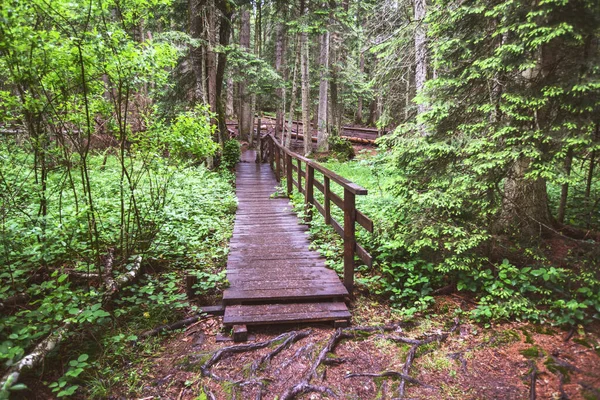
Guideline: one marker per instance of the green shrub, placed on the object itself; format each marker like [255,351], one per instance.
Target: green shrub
[340,148]
[231,154]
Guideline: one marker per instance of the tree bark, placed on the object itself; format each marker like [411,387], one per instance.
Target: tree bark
[288,140]
[226,13]
[279,92]
[323,131]
[359,107]
[306,123]
[564,190]
[525,203]
[245,117]
[196,56]
[420,51]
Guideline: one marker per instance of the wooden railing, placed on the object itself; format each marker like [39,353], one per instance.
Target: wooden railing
[286,163]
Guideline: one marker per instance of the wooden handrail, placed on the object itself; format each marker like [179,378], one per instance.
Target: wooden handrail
[281,161]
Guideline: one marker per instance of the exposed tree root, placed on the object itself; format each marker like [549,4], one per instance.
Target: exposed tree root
[306,383]
[305,387]
[532,380]
[406,369]
[240,348]
[286,343]
[390,374]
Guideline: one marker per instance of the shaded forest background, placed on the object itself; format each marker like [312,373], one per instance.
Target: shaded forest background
[115,173]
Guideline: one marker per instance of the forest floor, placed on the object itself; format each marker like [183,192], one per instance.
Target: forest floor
[472,362]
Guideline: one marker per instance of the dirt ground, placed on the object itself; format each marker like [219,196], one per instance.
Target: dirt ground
[471,363]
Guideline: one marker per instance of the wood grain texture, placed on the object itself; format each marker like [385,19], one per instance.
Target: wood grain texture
[270,262]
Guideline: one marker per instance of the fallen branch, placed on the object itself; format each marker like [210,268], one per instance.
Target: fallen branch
[44,347]
[34,358]
[171,327]
[113,285]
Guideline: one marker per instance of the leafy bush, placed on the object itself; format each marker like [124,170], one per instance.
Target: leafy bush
[340,148]
[231,154]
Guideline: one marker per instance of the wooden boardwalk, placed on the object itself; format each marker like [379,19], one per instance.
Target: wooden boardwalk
[273,276]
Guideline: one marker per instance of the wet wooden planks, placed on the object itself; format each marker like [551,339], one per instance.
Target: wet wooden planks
[270,262]
[285,313]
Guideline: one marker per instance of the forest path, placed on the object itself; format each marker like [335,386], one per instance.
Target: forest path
[273,276]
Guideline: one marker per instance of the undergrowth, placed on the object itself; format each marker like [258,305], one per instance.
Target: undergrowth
[405,269]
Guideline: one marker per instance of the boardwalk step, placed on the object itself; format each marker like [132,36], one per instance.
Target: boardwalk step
[302,291]
[285,313]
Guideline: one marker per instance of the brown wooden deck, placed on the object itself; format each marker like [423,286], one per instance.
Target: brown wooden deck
[273,276]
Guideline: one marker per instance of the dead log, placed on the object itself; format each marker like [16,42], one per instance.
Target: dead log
[113,285]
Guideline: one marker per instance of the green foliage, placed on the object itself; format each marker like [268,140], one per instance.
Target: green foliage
[406,272]
[340,148]
[76,367]
[190,135]
[231,154]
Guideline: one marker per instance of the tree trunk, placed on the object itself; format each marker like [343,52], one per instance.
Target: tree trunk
[195,29]
[288,140]
[279,92]
[359,107]
[420,51]
[564,191]
[245,117]
[229,109]
[307,130]
[525,203]
[323,132]
[226,12]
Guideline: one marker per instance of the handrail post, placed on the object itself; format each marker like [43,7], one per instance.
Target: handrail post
[299,163]
[288,174]
[327,200]
[259,154]
[271,151]
[277,162]
[309,199]
[349,239]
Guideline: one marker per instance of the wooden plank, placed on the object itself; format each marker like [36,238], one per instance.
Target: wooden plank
[239,294]
[284,313]
[364,255]
[364,221]
[291,308]
[315,284]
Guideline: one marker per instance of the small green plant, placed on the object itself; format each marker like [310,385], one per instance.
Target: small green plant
[65,385]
